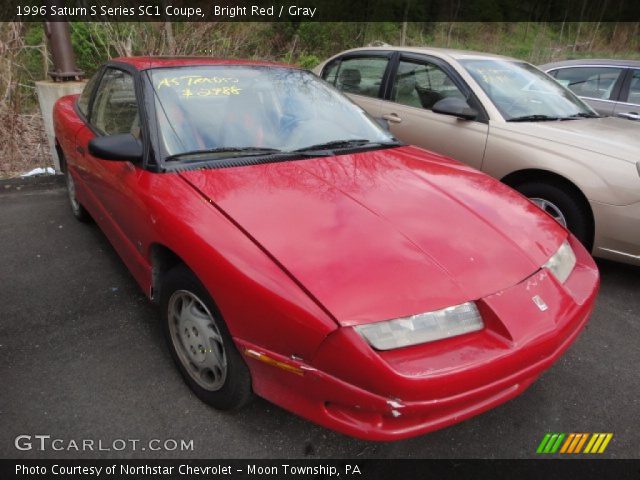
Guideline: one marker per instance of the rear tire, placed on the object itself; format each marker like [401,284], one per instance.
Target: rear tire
[200,343]
[76,208]
[562,204]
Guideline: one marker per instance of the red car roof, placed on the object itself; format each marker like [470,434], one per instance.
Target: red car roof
[143,63]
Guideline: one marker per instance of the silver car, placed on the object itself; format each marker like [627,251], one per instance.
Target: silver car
[509,119]
[611,87]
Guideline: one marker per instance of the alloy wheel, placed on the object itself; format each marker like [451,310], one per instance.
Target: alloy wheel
[552,209]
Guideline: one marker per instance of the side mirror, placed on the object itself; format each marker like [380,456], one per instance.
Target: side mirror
[119,148]
[456,107]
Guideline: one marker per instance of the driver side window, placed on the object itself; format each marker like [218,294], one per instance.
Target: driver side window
[115,109]
[422,85]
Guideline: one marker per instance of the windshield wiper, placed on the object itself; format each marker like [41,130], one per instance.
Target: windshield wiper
[534,118]
[583,115]
[237,152]
[338,144]
[243,151]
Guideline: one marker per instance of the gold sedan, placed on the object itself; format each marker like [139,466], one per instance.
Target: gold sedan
[507,118]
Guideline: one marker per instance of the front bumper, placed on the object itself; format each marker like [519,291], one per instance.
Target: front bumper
[398,394]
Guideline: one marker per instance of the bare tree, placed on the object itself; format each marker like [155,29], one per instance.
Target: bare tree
[575,44]
[403,32]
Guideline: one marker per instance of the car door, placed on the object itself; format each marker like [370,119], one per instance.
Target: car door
[597,85]
[75,161]
[628,105]
[416,85]
[116,186]
[361,76]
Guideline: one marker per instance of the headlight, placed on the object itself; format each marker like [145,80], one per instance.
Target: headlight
[562,262]
[422,328]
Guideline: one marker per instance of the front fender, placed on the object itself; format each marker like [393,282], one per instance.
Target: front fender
[260,303]
[601,178]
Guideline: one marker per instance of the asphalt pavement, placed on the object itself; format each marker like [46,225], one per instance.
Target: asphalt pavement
[82,357]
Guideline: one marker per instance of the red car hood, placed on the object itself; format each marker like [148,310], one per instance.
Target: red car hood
[387,233]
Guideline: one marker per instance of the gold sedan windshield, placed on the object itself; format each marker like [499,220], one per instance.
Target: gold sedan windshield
[521,92]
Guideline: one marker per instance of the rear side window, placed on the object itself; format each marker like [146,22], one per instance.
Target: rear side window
[330,73]
[360,75]
[85,97]
[590,82]
[115,109]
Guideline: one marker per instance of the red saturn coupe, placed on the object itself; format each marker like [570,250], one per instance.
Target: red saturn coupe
[299,252]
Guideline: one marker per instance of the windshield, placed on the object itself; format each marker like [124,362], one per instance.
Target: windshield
[237,110]
[521,92]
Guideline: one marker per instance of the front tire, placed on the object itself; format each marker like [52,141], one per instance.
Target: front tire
[200,343]
[563,205]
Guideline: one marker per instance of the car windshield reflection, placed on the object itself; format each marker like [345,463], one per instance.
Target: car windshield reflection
[221,109]
[523,93]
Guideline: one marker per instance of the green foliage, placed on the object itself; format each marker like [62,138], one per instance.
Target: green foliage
[90,44]
[308,43]
[31,58]
[29,67]
[308,61]
[324,39]
[388,32]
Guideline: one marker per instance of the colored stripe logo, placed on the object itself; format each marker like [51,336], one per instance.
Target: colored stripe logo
[574,443]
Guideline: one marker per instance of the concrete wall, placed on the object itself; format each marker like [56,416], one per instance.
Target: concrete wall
[48,93]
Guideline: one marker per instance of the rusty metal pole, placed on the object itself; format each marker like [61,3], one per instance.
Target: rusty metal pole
[64,62]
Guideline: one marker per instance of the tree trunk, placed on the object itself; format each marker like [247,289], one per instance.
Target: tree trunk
[403,34]
[171,41]
[595,31]
[45,57]
[575,44]
[455,14]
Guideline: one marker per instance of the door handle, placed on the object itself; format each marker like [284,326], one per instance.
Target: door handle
[630,115]
[392,117]
[80,150]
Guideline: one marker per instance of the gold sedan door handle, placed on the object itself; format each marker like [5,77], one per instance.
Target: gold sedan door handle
[392,117]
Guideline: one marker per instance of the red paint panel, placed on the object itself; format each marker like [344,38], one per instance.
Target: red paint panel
[385,234]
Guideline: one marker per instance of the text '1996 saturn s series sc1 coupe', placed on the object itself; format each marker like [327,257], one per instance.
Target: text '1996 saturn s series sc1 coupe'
[299,252]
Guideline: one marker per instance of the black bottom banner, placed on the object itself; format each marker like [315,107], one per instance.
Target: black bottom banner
[320,469]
